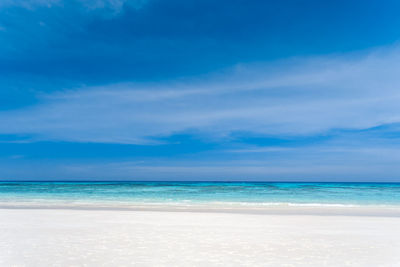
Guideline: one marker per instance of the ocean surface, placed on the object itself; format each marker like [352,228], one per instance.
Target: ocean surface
[199,193]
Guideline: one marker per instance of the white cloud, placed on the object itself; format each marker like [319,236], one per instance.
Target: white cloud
[114,5]
[29,4]
[293,97]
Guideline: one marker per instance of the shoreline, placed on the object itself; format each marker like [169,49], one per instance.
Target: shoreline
[269,209]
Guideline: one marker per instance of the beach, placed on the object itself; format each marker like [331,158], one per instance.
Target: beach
[183,133]
[171,237]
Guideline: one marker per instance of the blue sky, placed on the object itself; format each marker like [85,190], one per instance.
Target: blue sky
[200,90]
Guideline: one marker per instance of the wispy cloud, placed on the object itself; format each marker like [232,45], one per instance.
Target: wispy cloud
[267,149]
[298,169]
[294,97]
[115,5]
[28,4]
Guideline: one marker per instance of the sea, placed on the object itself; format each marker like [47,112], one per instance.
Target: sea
[199,193]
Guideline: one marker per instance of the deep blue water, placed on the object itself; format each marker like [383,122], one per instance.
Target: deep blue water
[201,192]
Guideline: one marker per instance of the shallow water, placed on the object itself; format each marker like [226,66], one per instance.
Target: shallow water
[190,193]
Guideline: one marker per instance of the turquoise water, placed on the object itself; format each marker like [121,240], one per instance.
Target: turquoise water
[201,193]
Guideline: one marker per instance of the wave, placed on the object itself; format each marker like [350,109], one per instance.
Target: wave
[179,204]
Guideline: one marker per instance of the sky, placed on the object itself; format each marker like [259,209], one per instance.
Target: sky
[291,90]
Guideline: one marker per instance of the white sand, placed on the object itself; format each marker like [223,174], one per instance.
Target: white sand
[67,237]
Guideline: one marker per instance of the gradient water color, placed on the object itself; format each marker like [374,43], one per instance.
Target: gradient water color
[192,193]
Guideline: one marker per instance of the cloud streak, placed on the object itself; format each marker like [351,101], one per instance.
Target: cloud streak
[115,5]
[294,97]
[356,165]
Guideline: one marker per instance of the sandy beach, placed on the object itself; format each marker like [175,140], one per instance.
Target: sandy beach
[73,237]
[183,133]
